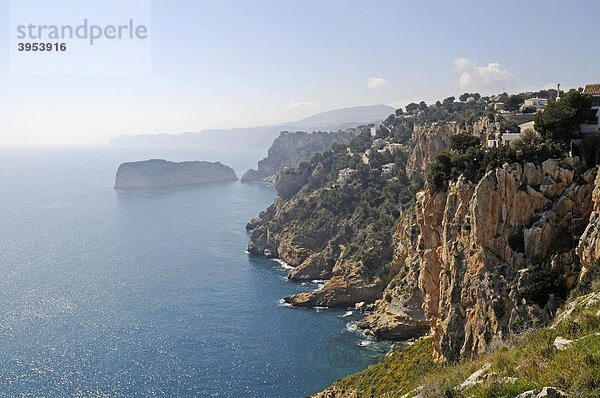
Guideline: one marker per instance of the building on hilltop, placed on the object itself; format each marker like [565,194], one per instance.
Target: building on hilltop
[378,143]
[537,103]
[388,168]
[528,125]
[393,147]
[493,143]
[345,175]
[508,137]
[592,125]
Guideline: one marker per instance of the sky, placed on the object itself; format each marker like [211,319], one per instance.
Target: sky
[222,64]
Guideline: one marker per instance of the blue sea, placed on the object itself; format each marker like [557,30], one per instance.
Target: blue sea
[152,293]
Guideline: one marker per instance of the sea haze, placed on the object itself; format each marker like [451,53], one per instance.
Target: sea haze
[110,293]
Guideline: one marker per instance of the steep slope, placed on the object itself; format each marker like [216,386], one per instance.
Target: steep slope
[485,250]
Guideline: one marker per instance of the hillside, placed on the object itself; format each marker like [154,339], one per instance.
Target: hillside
[562,360]
[466,243]
[263,136]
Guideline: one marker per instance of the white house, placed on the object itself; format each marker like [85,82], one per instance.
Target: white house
[373,131]
[493,143]
[388,168]
[378,143]
[535,103]
[525,126]
[393,147]
[345,175]
[592,125]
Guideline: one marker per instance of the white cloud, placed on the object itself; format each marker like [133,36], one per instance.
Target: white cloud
[476,77]
[376,82]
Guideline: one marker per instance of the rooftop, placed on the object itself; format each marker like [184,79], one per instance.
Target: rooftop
[592,89]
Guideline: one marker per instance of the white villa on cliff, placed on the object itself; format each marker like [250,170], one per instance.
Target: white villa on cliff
[388,168]
[592,125]
[345,175]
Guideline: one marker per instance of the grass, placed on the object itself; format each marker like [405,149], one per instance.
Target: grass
[530,358]
[393,376]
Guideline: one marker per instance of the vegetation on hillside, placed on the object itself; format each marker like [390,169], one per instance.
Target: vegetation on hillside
[521,363]
[558,123]
[360,215]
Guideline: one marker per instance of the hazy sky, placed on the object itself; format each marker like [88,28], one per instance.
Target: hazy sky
[242,63]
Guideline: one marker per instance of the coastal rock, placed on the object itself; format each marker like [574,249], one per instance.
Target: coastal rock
[157,173]
[340,291]
[429,140]
[475,238]
[399,315]
[588,249]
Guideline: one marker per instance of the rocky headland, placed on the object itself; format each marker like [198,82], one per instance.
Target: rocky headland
[466,244]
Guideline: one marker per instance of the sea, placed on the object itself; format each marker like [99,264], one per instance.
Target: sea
[108,293]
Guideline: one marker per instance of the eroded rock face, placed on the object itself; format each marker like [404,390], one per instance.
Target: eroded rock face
[588,249]
[399,315]
[429,140]
[476,237]
[432,139]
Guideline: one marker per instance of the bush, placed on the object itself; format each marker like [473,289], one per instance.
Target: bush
[544,281]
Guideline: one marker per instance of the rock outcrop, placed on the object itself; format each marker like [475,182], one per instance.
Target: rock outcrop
[399,315]
[471,263]
[156,173]
[431,139]
[476,241]
[588,249]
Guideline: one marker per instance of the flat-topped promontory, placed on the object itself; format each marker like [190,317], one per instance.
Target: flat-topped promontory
[157,173]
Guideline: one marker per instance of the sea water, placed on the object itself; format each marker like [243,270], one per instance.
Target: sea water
[111,293]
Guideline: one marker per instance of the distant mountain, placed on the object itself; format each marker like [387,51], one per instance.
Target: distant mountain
[263,136]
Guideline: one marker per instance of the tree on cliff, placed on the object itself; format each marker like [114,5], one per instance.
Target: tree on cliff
[561,119]
[462,142]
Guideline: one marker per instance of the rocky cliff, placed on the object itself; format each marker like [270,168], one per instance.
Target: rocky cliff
[469,263]
[289,149]
[432,138]
[157,173]
[479,246]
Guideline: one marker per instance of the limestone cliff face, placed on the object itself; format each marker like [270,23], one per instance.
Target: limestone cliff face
[588,249]
[463,260]
[399,314]
[431,139]
[476,240]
